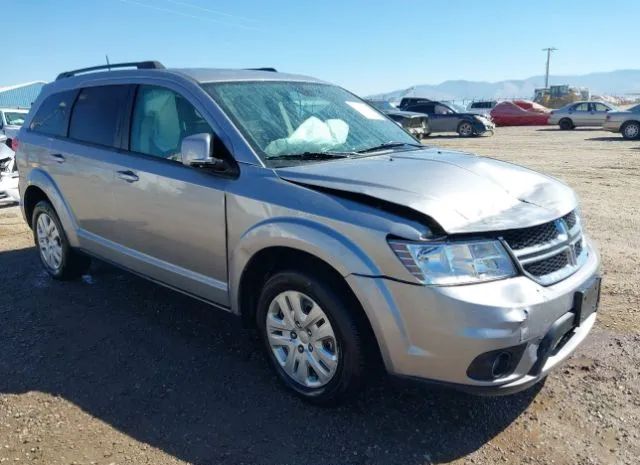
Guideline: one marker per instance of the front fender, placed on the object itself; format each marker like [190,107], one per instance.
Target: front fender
[40,179]
[301,234]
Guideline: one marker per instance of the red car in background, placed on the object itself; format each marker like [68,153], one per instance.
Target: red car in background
[531,106]
[520,113]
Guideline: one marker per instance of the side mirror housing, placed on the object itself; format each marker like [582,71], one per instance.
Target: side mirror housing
[196,152]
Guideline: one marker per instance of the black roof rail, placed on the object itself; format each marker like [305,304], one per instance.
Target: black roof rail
[273,70]
[138,65]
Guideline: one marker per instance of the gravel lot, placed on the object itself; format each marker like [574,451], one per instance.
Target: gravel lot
[112,369]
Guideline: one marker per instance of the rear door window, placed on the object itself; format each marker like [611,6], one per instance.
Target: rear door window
[581,107]
[52,118]
[99,113]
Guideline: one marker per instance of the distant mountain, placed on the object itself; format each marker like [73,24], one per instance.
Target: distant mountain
[605,83]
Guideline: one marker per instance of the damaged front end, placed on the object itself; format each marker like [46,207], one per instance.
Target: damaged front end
[9,192]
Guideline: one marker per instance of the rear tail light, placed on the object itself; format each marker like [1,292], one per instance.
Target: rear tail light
[15,143]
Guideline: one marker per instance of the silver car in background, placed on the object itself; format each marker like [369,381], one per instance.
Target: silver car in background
[580,114]
[11,120]
[626,122]
[320,222]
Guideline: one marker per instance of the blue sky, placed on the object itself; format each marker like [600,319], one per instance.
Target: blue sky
[365,46]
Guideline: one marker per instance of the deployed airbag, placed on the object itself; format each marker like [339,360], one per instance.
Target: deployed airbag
[313,135]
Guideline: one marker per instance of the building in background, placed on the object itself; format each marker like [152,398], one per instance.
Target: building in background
[20,95]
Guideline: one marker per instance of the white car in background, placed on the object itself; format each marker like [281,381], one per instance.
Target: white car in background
[11,120]
[8,174]
[482,107]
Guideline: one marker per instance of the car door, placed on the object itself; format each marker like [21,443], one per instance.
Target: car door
[448,120]
[599,113]
[84,130]
[436,122]
[580,115]
[171,220]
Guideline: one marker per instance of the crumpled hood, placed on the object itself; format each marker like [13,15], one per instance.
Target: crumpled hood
[462,192]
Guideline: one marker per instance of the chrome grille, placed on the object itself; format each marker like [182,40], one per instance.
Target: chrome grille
[551,251]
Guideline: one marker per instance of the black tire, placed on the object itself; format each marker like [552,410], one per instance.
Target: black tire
[73,263]
[630,130]
[348,328]
[463,129]
[566,124]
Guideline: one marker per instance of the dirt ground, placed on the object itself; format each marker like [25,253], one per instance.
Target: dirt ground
[112,369]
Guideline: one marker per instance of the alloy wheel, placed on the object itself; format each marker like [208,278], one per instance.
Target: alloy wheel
[465,129]
[302,339]
[632,130]
[49,241]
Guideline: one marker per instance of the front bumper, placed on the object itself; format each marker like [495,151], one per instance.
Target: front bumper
[435,333]
[484,127]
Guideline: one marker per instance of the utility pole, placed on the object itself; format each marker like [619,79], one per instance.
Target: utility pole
[546,76]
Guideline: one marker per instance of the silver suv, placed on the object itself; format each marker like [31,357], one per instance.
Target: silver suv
[297,206]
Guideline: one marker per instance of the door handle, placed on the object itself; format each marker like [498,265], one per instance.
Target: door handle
[57,157]
[128,176]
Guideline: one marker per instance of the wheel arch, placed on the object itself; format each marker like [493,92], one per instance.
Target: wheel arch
[270,260]
[40,186]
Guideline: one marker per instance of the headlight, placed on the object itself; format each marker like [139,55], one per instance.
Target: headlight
[446,263]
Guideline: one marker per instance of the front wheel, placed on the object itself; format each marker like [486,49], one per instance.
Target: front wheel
[631,130]
[465,129]
[312,336]
[58,258]
[566,124]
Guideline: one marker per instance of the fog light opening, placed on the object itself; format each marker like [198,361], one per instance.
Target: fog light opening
[501,365]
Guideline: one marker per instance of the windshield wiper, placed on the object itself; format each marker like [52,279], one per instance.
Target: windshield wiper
[389,145]
[309,156]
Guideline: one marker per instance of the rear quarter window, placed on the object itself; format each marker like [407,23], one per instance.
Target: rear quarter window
[52,118]
[98,114]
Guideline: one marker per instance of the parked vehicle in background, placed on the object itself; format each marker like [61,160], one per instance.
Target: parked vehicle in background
[626,122]
[8,174]
[531,106]
[481,107]
[417,124]
[560,95]
[444,118]
[581,114]
[510,114]
[11,120]
[294,204]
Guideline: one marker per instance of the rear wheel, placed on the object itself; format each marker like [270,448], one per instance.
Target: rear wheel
[312,336]
[465,129]
[58,258]
[566,124]
[631,130]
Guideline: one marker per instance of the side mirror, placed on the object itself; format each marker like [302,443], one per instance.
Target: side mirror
[196,152]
